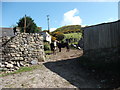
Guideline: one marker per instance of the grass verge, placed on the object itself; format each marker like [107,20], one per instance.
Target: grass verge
[22,69]
[48,52]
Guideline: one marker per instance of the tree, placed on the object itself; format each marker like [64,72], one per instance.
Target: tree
[46,31]
[60,37]
[30,25]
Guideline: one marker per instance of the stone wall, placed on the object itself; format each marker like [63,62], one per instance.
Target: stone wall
[21,50]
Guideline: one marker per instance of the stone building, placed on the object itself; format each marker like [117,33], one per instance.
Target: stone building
[6,31]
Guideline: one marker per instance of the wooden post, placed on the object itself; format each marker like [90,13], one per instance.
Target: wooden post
[25,24]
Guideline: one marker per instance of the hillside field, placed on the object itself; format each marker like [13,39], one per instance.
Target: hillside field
[73,35]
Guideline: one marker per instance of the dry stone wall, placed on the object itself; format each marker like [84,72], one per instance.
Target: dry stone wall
[22,50]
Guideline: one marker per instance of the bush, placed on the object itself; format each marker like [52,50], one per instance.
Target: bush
[31,26]
[60,37]
[53,38]
[46,47]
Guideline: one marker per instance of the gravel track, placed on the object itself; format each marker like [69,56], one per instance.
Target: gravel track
[58,71]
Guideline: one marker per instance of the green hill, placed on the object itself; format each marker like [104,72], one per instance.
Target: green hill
[69,29]
[72,33]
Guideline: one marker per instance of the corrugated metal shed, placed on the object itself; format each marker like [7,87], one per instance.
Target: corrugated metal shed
[105,35]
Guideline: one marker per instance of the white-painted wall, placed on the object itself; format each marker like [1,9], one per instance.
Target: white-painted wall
[46,36]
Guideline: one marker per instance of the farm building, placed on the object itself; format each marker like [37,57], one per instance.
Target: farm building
[6,32]
[102,37]
[46,36]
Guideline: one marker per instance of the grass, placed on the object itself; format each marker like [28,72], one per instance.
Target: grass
[46,46]
[73,35]
[22,69]
[48,52]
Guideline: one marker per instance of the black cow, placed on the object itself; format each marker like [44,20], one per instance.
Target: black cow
[14,30]
[62,45]
[52,46]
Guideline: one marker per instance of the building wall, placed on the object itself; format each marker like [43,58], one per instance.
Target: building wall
[100,36]
[6,32]
[102,41]
[46,36]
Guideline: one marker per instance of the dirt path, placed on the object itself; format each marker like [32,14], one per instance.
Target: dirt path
[64,55]
[59,71]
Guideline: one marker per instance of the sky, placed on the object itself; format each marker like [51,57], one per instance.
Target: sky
[119,10]
[60,13]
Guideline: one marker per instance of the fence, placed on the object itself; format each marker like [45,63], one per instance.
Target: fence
[105,35]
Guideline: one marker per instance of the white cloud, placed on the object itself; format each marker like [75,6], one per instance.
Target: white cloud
[52,29]
[70,18]
[111,20]
[83,25]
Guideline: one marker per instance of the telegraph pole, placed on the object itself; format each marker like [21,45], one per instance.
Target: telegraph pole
[25,24]
[48,23]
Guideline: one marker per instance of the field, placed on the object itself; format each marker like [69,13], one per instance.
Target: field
[67,36]
[73,35]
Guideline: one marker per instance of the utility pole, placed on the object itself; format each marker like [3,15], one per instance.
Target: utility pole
[25,24]
[48,23]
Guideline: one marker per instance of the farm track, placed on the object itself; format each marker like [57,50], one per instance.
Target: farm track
[62,70]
